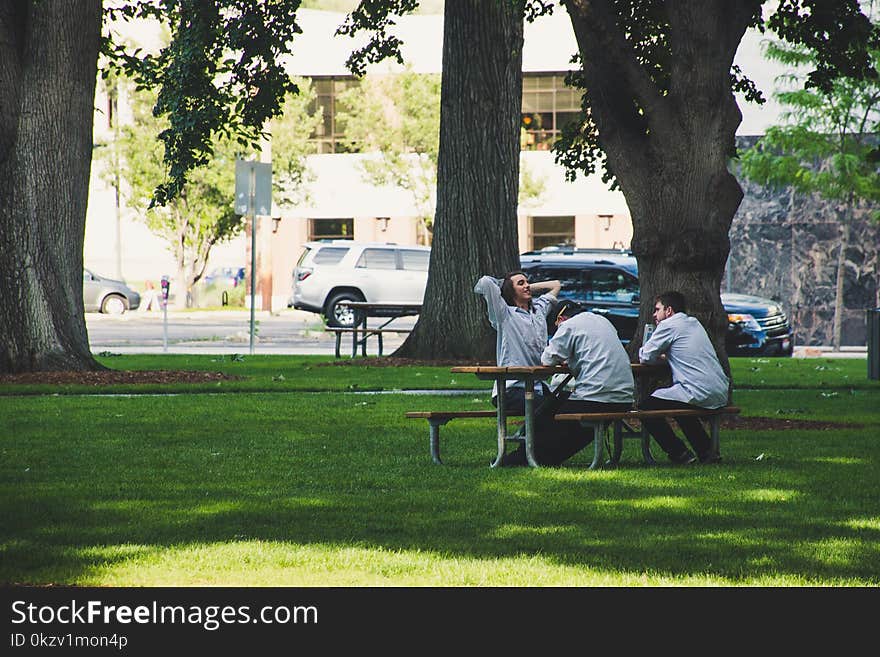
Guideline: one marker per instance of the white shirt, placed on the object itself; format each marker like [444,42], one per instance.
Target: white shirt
[697,377]
[601,368]
[521,334]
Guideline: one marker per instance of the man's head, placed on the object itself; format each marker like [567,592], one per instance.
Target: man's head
[566,309]
[515,289]
[667,304]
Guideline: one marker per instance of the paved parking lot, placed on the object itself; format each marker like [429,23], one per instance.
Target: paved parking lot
[220,332]
[286,332]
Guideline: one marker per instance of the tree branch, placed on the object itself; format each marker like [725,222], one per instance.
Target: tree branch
[601,41]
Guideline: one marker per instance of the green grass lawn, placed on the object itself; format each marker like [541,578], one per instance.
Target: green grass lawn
[269,484]
[318,373]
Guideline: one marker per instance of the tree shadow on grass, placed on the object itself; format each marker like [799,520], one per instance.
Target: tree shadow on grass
[346,475]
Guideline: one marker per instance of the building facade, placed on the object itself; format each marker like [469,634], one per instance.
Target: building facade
[342,205]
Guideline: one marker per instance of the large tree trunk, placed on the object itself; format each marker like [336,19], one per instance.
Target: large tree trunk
[669,149]
[475,229]
[48,68]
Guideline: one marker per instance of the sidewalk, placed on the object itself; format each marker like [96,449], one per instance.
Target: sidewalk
[828,352]
[288,332]
[325,347]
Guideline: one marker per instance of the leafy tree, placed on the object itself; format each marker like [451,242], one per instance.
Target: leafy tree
[475,226]
[199,216]
[220,74]
[291,144]
[827,145]
[397,116]
[660,118]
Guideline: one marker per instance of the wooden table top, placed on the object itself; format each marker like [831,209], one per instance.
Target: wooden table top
[541,370]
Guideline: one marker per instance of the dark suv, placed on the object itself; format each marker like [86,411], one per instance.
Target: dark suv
[606,281]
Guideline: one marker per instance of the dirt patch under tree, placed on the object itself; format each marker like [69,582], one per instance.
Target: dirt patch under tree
[117,377]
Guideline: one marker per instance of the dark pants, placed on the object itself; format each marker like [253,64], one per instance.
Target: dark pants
[555,442]
[515,399]
[559,441]
[692,428]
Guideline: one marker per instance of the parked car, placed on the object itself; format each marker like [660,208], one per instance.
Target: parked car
[606,282]
[107,295]
[343,270]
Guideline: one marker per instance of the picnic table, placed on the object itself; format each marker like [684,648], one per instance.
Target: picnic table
[595,422]
[528,375]
[360,332]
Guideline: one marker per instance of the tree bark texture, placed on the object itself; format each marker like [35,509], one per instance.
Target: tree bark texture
[669,149]
[48,68]
[475,228]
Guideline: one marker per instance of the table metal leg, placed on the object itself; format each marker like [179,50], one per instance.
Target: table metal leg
[434,435]
[338,342]
[530,421]
[714,425]
[618,442]
[598,442]
[502,425]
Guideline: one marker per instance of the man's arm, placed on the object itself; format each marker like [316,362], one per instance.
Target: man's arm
[490,288]
[546,287]
[654,350]
[558,351]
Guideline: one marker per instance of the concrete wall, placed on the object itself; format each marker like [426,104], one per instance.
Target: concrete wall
[785,246]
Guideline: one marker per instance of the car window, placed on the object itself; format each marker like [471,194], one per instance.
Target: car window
[573,280]
[378,259]
[414,260]
[330,255]
[612,285]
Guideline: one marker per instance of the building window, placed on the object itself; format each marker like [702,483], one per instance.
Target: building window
[551,231]
[328,137]
[547,105]
[331,229]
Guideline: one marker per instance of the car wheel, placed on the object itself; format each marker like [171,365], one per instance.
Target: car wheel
[113,304]
[342,316]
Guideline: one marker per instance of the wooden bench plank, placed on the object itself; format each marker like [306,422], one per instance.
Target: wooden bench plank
[638,414]
[596,421]
[451,415]
[437,419]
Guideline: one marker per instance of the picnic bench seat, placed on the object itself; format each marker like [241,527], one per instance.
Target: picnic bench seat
[622,429]
[362,341]
[437,419]
[598,422]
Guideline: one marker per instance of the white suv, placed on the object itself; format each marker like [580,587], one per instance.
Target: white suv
[342,270]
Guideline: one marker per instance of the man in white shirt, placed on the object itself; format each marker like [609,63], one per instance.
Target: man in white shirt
[603,380]
[521,325]
[698,381]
